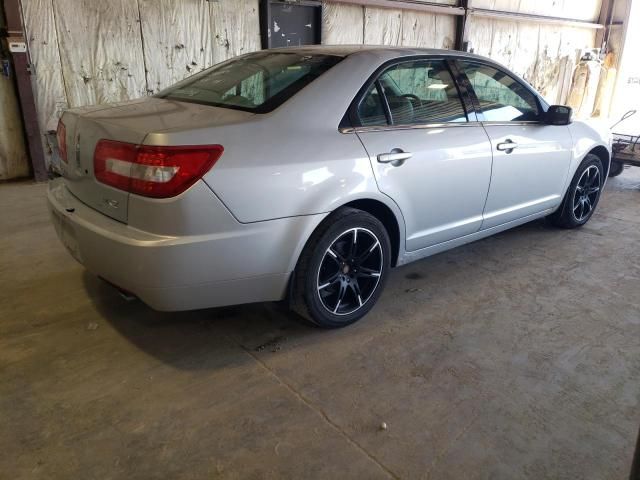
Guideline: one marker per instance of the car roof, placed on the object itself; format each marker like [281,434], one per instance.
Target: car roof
[384,52]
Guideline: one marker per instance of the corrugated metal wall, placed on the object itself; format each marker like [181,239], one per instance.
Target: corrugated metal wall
[87,51]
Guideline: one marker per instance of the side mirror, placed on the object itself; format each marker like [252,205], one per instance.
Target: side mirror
[558,115]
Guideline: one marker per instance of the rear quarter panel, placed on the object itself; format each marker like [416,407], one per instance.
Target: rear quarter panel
[292,161]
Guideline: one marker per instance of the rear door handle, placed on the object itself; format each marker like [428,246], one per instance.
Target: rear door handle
[395,157]
[507,146]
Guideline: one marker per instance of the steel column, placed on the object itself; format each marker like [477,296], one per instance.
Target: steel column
[462,27]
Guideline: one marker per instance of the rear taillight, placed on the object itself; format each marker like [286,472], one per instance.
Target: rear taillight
[61,135]
[158,172]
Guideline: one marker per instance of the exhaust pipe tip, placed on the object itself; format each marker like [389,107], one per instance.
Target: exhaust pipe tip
[124,294]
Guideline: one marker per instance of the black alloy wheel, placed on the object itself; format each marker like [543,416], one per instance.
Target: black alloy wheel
[342,270]
[586,193]
[582,196]
[350,271]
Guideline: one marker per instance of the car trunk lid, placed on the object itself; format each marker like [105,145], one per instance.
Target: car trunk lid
[130,122]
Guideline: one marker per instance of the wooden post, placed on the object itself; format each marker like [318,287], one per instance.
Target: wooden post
[22,68]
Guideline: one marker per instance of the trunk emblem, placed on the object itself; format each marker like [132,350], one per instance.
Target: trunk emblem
[111,203]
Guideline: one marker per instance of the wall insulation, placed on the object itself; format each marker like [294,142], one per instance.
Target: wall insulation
[354,24]
[14,162]
[544,54]
[86,51]
[585,10]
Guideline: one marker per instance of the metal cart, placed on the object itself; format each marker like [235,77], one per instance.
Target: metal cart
[626,149]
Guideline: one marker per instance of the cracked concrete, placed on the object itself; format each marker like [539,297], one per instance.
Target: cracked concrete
[513,357]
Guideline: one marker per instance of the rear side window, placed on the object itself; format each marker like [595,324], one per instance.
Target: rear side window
[371,108]
[259,82]
[419,92]
[502,98]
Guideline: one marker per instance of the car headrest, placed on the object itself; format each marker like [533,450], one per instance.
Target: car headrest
[371,112]
[401,110]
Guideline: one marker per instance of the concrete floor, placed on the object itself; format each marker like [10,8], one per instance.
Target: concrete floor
[514,357]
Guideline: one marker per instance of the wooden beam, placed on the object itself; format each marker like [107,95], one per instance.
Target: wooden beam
[606,17]
[13,19]
[22,68]
[527,17]
[406,5]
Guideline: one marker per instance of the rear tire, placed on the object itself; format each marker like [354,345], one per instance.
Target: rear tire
[582,196]
[616,168]
[342,270]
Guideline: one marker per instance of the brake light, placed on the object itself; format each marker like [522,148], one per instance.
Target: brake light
[61,135]
[158,172]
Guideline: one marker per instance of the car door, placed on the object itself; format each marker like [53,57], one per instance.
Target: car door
[425,152]
[531,160]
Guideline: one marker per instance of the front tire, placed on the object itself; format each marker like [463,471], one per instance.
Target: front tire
[582,196]
[342,269]
[616,168]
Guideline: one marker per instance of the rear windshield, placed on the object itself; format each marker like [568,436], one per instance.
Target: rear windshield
[258,82]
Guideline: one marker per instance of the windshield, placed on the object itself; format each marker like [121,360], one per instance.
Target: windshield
[258,82]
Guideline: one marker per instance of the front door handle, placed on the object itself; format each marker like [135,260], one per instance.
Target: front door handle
[507,146]
[395,157]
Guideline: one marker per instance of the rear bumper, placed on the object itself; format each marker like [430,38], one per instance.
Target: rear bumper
[242,263]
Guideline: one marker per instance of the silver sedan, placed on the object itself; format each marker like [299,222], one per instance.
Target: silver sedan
[307,173]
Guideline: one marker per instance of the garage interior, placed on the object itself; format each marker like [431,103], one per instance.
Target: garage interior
[512,357]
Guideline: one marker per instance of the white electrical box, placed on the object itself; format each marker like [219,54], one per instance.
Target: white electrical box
[17,47]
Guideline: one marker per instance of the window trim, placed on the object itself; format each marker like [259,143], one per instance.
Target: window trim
[541,104]
[422,126]
[351,121]
[385,102]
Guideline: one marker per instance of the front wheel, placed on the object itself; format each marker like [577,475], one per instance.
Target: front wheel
[583,194]
[342,270]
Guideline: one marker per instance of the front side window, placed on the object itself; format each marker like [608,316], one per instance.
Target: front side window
[419,92]
[259,82]
[502,98]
